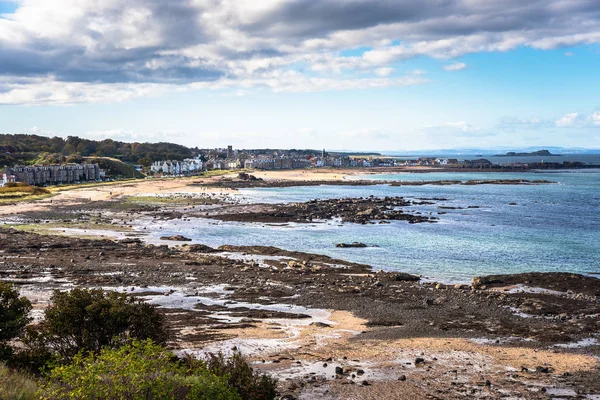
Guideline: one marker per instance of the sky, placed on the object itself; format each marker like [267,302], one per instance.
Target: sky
[366,75]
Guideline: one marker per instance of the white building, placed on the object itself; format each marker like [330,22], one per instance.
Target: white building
[186,167]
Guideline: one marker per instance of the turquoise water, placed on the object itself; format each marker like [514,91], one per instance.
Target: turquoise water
[551,228]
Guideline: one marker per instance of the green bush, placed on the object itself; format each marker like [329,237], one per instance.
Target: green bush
[250,384]
[89,320]
[141,370]
[14,316]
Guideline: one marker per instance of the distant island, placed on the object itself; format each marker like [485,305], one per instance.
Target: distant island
[543,153]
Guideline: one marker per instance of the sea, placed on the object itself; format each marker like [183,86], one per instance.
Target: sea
[590,159]
[516,228]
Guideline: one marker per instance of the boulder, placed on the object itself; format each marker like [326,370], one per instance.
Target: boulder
[177,238]
[353,244]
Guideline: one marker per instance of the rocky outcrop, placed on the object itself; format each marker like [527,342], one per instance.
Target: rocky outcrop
[356,210]
[351,245]
[176,238]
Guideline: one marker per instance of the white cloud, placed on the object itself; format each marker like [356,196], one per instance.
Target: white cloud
[416,72]
[568,120]
[69,51]
[596,118]
[455,67]
[384,71]
[461,126]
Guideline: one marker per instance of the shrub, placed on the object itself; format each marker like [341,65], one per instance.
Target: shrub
[14,316]
[88,320]
[140,370]
[250,384]
[16,385]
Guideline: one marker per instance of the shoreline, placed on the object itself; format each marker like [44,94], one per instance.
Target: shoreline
[301,316]
[299,311]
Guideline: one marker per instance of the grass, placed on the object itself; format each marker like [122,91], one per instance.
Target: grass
[115,167]
[216,172]
[16,386]
[21,191]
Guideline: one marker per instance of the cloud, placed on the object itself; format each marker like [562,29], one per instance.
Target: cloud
[416,72]
[68,51]
[461,126]
[573,120]
[455,67]
[569,120]
[369,134]
[384,71]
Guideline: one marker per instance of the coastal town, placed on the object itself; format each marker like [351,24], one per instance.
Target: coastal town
[230,159]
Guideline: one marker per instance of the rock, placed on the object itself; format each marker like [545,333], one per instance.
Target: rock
[404,277]
[360,372]
[542,370]
[402,378]
[339,371]
[177,238]
[479,282]
[419,360]
[365,383]
[200,248]
[353,244]
[320,325]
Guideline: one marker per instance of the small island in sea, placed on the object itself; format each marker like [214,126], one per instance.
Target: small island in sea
[539,153]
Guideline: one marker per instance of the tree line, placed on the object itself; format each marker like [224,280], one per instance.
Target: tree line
[28,148]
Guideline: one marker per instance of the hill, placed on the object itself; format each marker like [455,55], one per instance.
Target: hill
[115,168]
[27,149]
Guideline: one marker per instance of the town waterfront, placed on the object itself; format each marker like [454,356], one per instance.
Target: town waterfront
[515,228]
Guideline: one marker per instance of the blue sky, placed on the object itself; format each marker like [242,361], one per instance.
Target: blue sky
[275,74]
[7,6]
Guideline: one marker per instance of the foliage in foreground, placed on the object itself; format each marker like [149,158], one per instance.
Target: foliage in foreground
[99,345]
[141,370]
[14,316]
[249,383]
[89,320]
[16,386]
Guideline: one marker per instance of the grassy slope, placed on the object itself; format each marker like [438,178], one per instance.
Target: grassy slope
[16,386]
[115,168]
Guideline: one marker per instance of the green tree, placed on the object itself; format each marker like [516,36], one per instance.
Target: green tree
[88,320]
[138,371]
[14,316]
[249,383]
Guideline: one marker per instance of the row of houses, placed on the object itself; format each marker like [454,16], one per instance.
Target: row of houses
[189,166]
[41,175]
[267,163]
